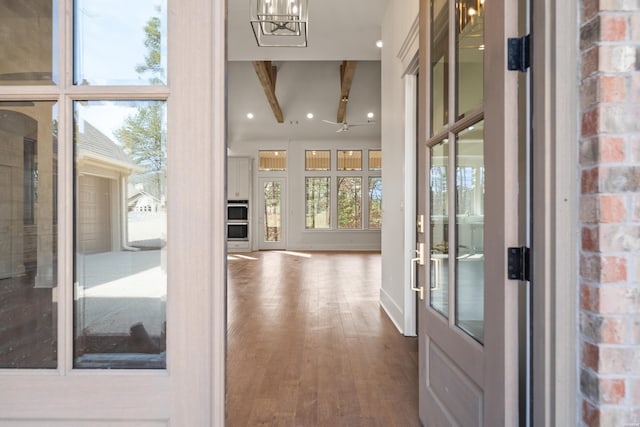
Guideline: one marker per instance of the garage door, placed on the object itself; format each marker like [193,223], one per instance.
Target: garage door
[94,214]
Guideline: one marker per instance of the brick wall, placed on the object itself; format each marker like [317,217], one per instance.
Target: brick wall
[610,213]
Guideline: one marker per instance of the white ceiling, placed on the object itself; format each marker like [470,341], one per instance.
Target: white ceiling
[308,78]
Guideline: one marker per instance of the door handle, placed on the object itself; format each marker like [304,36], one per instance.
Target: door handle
[414,262]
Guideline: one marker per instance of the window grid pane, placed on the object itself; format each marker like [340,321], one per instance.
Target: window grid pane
[349,160]
[350,202]
[120,235]
[27,43]
[375,160]
[375,202]
[28,234]
[317,160]
[439,228]
[116,48]
[318,203]
[470,231]
[272,160]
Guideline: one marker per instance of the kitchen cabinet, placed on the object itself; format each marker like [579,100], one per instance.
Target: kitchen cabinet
[239,178]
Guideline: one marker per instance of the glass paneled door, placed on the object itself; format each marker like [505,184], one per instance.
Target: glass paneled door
[272,213]
[468,150]
[111,212]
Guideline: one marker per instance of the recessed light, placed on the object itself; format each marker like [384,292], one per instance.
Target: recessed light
[370,115]
[309,115]
[249,115]
[379,43]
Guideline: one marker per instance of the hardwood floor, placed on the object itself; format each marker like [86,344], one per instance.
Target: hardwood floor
[309,345]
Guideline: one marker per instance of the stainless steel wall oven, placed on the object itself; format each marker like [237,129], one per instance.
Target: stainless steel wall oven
[238,220]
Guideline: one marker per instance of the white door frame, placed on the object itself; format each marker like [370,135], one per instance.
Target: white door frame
[191,391]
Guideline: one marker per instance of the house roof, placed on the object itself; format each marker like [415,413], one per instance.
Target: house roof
[94,144]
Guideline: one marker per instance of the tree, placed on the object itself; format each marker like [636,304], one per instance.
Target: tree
[141,135]
[152,60]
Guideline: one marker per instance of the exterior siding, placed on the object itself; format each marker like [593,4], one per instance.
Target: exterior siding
[609,161]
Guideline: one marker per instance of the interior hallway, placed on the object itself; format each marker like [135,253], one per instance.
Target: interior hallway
[309,345]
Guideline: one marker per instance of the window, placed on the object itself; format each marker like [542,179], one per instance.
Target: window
[349,160]
[375,202]
[350,202]
[316,160]
[353,209]
[318,206]
[375,160]
[272,160]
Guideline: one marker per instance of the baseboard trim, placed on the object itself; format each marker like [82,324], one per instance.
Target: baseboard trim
[392,309]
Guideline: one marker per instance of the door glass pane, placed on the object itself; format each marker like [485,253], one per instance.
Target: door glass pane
[120,42]
[349,160]
[470,179]
[28,230]
[317,160]
[28,39]
[272,211]
[350,202]
[120,234]
[439,227]
[439,50]
[375,202]
[469,55]
[317,203]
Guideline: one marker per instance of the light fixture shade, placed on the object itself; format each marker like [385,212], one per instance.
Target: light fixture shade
[280,22]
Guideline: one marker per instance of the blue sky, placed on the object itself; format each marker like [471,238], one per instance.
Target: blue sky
[109,44]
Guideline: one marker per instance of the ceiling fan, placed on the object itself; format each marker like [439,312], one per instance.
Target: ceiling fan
[346,126]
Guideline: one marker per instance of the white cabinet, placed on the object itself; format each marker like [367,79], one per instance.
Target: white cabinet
[238,178]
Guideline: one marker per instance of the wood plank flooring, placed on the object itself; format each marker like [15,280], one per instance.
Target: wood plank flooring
[309,345]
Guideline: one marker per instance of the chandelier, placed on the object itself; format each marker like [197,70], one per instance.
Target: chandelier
[280,22]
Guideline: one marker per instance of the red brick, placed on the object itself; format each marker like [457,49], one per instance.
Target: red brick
[590,61]
[613,28]
[589,181]
[612,209]
[635,330]
[612,89]
[635,86]
[588,297]
[618,299]
[590,356]
[590,241]
[590,414]
[603,329]
[589,209]
[609,269]
[616,58]
[589,9]
[612,391]
[590,122]
[611,149]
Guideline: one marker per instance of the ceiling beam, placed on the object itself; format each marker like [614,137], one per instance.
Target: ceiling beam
[347,70]
[267,75]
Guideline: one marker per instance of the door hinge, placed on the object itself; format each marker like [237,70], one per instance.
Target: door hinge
[519,53]
[519,263]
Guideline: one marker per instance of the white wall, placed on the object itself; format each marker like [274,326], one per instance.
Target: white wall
[298,238]
[396,53]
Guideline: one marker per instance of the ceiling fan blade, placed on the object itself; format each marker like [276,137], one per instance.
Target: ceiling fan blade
[331,123]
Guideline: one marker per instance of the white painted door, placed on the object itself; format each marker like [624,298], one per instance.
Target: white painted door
[130,337]
[468,193]
[272,216]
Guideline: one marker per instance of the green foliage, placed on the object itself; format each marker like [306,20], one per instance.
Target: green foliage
[152,60]
[141,137]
